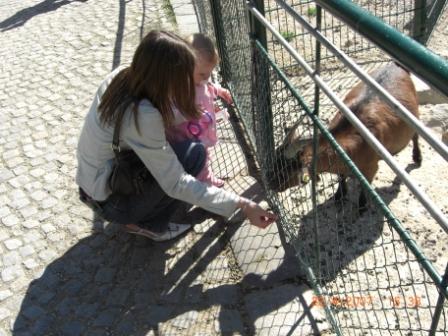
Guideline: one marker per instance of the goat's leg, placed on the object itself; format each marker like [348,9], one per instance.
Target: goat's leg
[369,174]
[416,154]
[342,188]
[362,202]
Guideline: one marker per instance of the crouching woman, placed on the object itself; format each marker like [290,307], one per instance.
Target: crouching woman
[142,99]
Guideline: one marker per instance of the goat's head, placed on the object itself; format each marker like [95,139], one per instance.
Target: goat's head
[290,167]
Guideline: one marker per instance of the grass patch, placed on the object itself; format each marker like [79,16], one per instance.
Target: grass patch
[167,7]
[311,11]
[288,36]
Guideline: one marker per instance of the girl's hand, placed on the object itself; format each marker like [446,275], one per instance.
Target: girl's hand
[256,214]
[225,94]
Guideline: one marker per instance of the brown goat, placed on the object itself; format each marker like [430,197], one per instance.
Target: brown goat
[293,158]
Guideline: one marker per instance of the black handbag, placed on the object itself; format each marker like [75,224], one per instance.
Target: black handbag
[129,172]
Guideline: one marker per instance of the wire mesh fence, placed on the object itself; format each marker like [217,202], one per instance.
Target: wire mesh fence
[367,267]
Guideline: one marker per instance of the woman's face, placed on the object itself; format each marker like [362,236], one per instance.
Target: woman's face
[202,70]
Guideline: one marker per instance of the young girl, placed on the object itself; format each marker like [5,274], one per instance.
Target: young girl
[159,78]
[204,128]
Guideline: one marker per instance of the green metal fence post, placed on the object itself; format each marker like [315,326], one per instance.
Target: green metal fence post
[439,306]
[261,91]
[261,107]
[419,26]
[218,27]
[315,145]
[257,30]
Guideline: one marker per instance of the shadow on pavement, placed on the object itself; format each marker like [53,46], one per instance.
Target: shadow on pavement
[128,285]
[118,46]
[116,58]
[22,16]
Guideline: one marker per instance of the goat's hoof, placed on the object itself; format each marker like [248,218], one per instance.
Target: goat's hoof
[362,209]
[417,158]
[341,200]
[340,197]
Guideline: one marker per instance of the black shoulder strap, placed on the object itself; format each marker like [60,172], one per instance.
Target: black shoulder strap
[116,138]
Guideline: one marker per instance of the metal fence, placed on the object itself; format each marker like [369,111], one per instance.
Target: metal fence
[375,272]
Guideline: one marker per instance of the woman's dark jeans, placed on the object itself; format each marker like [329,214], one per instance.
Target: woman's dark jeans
[153,208]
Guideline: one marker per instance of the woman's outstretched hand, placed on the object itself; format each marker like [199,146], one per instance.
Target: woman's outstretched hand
[256,214]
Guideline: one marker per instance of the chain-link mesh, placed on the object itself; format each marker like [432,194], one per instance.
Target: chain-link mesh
[367,266]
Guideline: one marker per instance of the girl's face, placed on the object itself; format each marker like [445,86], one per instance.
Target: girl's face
[202,70]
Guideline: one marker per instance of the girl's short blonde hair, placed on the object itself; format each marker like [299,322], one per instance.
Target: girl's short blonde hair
[204,47]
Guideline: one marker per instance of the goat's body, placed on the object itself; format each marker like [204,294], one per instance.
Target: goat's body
[378,117]
[375,114]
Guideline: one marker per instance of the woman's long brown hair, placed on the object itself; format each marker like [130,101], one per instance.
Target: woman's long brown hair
[162,72]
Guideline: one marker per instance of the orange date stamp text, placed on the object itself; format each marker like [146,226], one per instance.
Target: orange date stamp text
[362,301]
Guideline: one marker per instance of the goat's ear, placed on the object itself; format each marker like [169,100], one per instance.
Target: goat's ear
[290,131]
[292,150]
